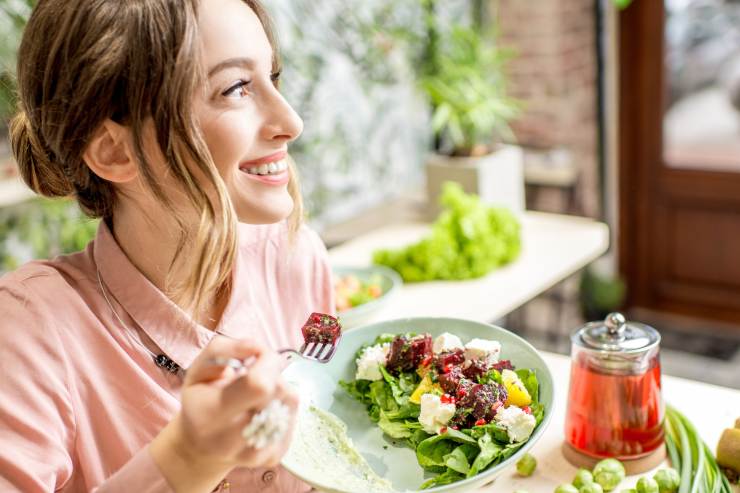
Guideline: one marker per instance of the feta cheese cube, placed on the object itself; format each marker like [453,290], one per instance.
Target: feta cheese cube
[519,425]
[434,414]
[446,342]
[369,362]
[483,349]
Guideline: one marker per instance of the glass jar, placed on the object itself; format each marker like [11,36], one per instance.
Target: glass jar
[615,407]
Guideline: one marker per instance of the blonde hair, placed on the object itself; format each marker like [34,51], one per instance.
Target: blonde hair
[81,62]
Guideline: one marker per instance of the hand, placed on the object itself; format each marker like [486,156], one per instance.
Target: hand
[204,441]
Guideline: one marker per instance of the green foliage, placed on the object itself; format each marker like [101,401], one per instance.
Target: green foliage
[600,295]
[467,91]
[622,4]
[42,229]
[468,240]
[13,16]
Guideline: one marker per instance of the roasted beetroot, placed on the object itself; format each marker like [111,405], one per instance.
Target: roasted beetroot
[321,329]
[479,402]
[454,357]
[504,364]
[450,380]
[406,354]
[476,368]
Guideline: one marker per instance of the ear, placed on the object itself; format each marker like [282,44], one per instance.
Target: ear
[109,153]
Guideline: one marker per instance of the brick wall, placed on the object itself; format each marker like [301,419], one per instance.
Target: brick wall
[555,74]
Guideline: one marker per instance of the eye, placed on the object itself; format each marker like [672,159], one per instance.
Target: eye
[275,78]
[240,89]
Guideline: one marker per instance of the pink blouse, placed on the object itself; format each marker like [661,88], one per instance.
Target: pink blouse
[81,398]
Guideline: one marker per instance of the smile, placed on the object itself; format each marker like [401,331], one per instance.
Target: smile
[274,168]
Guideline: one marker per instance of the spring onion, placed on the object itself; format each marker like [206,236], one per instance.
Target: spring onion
[691,457]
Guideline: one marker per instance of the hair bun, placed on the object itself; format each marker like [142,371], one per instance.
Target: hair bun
[35,163]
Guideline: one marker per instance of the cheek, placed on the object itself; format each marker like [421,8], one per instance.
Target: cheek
[229,139]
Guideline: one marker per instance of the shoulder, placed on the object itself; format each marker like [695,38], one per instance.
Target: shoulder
[32,298]
[41,282]
[30,343]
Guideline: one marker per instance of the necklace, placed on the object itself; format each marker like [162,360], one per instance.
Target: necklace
[161,360]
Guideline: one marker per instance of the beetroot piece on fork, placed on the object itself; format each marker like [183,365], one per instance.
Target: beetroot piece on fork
[321,329]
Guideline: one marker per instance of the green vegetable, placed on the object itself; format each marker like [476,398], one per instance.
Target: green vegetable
[647,485]
[583,477]
[468,240]
[566,488]
[609,473]
[691,457]
[668,480]
[591,488]
[526,465]
[629,490]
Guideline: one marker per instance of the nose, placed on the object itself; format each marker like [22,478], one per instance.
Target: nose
[281,122]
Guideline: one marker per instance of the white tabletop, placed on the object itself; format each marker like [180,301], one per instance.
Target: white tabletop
[553,247]
[710,408]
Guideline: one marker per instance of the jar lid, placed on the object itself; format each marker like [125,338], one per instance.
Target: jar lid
[615,334]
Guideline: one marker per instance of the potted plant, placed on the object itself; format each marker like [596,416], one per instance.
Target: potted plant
[464,81]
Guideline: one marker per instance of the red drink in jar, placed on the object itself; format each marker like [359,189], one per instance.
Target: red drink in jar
[615,406]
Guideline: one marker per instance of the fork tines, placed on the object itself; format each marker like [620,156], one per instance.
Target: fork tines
[319,352]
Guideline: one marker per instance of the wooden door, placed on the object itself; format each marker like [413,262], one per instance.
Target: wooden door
[680,156]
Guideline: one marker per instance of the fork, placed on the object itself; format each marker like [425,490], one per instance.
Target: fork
[322,353]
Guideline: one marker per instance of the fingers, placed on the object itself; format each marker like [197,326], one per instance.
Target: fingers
[255,389]
[271,455]
[203,368]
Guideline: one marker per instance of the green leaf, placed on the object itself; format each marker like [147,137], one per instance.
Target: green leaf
[489,450]
[448,477]
[458,460]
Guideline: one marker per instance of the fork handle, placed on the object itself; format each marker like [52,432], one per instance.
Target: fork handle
[240,365]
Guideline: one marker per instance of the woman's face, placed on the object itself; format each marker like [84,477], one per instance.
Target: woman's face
[246,123]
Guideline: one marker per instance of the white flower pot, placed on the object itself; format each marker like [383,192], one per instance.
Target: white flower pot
[498,177]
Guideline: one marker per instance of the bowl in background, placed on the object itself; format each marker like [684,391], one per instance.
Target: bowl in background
[390,283]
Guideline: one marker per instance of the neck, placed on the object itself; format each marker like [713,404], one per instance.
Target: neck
[151,246]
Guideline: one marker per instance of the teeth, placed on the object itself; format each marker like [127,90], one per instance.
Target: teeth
[266,169]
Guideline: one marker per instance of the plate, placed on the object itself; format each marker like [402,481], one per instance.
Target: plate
[318,385]
[390,282]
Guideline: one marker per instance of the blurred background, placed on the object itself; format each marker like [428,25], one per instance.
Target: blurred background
[626,112]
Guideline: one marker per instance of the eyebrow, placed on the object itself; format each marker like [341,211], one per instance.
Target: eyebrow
[247,63]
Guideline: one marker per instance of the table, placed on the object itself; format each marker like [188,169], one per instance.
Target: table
[709,407]
[553,247]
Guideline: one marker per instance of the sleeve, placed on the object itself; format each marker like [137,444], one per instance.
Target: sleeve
[140,474]
[37,426]
[37,419]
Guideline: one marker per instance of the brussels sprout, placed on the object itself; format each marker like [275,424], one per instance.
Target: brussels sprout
[591,488]
[583,477]
[526,465]
[566,488]
[630,490]
[647,485]
[609,473]
[668,480]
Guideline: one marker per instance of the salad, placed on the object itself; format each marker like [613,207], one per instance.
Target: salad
[351,291]
[461,408]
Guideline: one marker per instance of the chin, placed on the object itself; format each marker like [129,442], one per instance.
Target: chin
[265,213]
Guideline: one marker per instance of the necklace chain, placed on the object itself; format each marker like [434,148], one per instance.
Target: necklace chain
[161,360]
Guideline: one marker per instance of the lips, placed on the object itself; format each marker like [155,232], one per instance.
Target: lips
[274,157]
[269,170]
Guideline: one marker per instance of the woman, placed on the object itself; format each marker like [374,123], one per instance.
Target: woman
[163,118]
